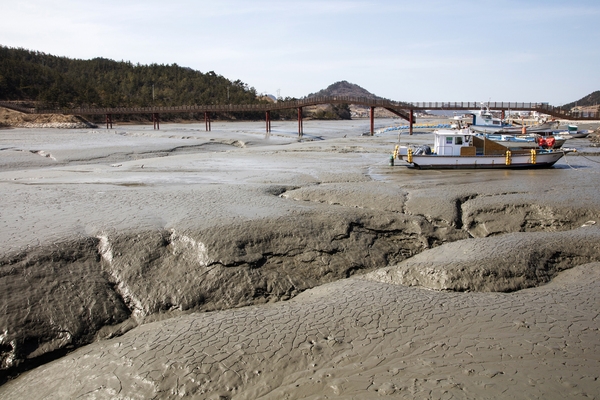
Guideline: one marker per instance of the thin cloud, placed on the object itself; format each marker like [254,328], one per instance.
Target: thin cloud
[401,49]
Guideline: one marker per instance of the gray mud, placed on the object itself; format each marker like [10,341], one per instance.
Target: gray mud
[158,255]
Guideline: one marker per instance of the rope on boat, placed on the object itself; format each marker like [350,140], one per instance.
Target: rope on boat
[587,158]
[567,161]
[577,169]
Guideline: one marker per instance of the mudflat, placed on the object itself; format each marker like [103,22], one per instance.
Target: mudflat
[137,263]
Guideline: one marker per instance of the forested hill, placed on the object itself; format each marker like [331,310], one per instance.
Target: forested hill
[344,88]
[591,99]
[63,82]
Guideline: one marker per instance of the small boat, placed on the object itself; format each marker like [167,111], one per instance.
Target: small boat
[461,149]
[579,134]
[551,141]
[574,132]
[559,136]
[531,141]
[485,122]
[512,141]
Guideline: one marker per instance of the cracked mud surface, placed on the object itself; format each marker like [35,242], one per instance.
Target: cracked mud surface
[167,272]
[351,339]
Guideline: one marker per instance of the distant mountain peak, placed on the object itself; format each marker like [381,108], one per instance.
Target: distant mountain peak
[344,88]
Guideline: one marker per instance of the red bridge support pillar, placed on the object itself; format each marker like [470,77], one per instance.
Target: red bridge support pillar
[411,120]
[156,121]
[108,121]
[372,116]
[268,121]
[300,127]
[207,121]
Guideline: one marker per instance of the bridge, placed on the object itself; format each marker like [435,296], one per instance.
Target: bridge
[404,110]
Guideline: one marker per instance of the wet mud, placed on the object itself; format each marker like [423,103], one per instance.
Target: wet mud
[294,271]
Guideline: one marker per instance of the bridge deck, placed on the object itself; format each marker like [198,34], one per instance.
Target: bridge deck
[403,109]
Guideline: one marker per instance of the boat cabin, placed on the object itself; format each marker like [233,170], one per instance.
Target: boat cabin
[450,143]
[485,118]
[464,143]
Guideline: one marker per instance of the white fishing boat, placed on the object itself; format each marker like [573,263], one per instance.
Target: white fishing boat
[461,149]
[485,122]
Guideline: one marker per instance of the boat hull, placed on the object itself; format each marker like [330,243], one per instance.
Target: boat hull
[512,128]
[578,135]
[527,144]
[542,160]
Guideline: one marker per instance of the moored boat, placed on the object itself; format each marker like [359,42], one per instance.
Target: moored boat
[461,149]
[574,132]
[531,141]
[485,122]
[514,129]
[579,134]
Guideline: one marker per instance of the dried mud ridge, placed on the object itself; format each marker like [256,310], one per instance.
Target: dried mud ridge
[17,119]
[71,293]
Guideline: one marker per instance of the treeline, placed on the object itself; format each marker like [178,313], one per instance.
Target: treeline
[333,111]
[63,82]
[591,99]
[52,82]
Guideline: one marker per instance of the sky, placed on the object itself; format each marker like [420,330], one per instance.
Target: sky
[415,51]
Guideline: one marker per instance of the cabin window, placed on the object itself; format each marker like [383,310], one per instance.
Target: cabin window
[458,140]
[496,122]
[449,140]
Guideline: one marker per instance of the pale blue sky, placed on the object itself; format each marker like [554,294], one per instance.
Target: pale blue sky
[428,50]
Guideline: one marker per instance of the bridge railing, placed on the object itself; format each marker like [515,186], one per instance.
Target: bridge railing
[475,105]
[237,107]
[16,107]
[311,101]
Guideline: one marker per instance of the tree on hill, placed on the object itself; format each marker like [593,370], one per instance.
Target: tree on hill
[339,111]
[332,111]
[591,99]
[53,81]
[344,88]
